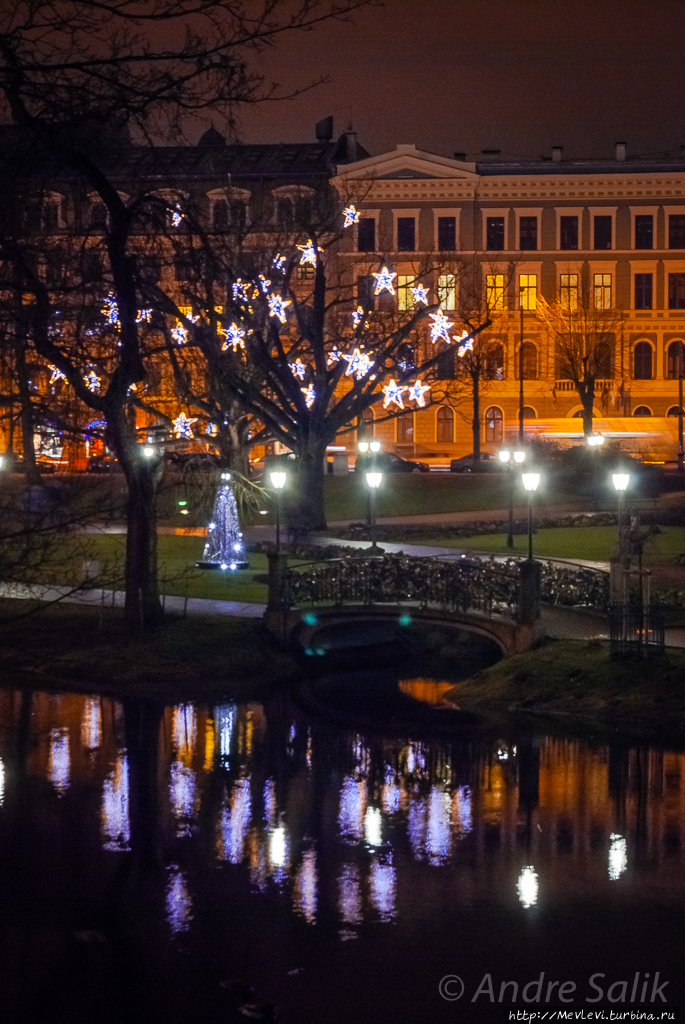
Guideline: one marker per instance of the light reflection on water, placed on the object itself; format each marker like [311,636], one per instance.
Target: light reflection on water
[116,829]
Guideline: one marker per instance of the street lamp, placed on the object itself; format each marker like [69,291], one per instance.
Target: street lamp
[510,459]
[374,480]
[278,479]
[595,440]
[530,483]
[621,482]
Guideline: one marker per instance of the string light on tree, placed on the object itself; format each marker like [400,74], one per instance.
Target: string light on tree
[308,253]
[417,391]
[144,316]
[225,548]
[279,262]
[110,311]
[420,294]
[235,338]
[277,307]
[466,346]
[351,216]
[358,316]
[56,374]
[333,357]
[241,291]
[440,328]
[309,395]
[384,281]
[179,334]
[176,216]
[183,425]
[92,381]
[392,394]
[264,284]
[299,369]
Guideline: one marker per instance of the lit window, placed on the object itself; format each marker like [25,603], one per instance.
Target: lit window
[602,291]
[528,291]
[494,288]
[447,291]
[494,425]
[445,424]
[405,299]
[568,291]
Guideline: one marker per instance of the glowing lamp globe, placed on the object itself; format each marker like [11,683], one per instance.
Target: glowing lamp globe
[519,456]
[278,479]
[620,481]
[375,446]
[530,481]
[504,455]
[374,480]
[363,447]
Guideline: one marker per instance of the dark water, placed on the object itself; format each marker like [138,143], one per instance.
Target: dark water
[148,853]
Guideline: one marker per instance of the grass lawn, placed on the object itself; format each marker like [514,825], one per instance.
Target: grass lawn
[596,543]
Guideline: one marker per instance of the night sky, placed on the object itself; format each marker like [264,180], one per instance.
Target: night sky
[516,75]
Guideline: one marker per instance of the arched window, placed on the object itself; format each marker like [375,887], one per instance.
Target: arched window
[676,360]
[673,411]
[529,353]
[365,425]
[445,424]
[642,410]
[494,425]
[529,412]
[642,361]
[405,428]
[494,363]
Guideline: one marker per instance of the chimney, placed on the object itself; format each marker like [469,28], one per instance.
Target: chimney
[620,151]
[490,154]
[351,140]
[556,154]
[324,129]
[460,156]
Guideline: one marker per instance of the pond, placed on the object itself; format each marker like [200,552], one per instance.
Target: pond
[149,853]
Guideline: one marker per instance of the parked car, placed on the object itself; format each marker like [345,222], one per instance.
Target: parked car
[17,465]
[488,463]
[103,464]
[388,462]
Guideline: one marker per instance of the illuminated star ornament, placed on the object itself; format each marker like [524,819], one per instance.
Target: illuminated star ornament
[359,364]
[358,316]
[56,374]
[392,394]
[298,368]
[420,294]
[467,345]
[308,253]
[183,425]
[264,284]
[277,307]
[417,390]
[240,291]
[92,381]
[440,328]
[176,216]
[179,334]
[351,215]
[235,338]
[111,311]
[333,357]
[384,281]
[144,315]
[309,395]
[278,262]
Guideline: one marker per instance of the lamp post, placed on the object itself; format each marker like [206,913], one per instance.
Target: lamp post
[278,480]
[595,440]
[681,452]
[530,482]
[374,480]
[621,482]
[364,448]
[511,460]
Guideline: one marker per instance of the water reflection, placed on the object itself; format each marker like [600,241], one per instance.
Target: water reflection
[178,904]
[116,830]
[618,857]
[59,763]
[527,887]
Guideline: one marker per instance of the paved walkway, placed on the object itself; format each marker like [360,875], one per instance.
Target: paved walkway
[115,599]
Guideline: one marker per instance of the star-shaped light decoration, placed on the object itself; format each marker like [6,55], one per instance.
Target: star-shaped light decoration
[384,281]
[308,253]
[241,290]
[235,338]
[359,363]
[183,425]
[358,316]
[298,369]
[264,284]
[440,328]
[351,215]
[420,294]
[467,345]
[333,357]
[278,262]
[56,374]
[176,216]
[110,311]
[92,381]
[417,390]
[179,334]
[392,394]
[309,395]
[144,316]
[277,307]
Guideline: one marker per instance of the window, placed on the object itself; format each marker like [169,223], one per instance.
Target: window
[528,233]
[220,215]
[51,216]
[306,272]
[405,299]
[365,425]
[676,360]
[186,268]
[602,233]
[643,291]
[642,410]
[365,295]
[494,291]
[447,291]
[98,215]
[406,234]
[54,268]
[568,232]
[303,212]
[405,428]
[529,356]
[602,291]
[529,412]
[447,234]
[528,291]
[642,361]
[285,215]
[676,291]
[568,291]
[494,234]
[406,356]
[366,234]
[445,368]
[674,411]
[644,231]
[494,363]
[148,269]
[676,231]
[238,214]
[445,424]
[494,425]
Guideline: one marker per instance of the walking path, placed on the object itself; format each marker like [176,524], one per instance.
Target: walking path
[115,599]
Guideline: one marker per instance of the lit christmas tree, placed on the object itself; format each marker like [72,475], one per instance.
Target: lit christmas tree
[225,548]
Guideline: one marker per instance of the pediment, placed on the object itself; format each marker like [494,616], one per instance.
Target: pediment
[406,172]
[407,162]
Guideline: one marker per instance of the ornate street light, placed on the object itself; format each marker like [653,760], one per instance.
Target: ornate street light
[374,480]
[621,482]
[511,459]
[595,440]
[278,481]
[530,482]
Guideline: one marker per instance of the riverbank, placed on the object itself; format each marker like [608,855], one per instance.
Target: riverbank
[84,650]
[574,683]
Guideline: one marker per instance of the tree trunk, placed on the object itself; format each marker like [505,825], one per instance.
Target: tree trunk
[475,422]
[308,510]
[142,604]
[586,391]
[31,469]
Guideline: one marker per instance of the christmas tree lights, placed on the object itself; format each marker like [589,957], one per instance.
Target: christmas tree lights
[298,369]
[225,548]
